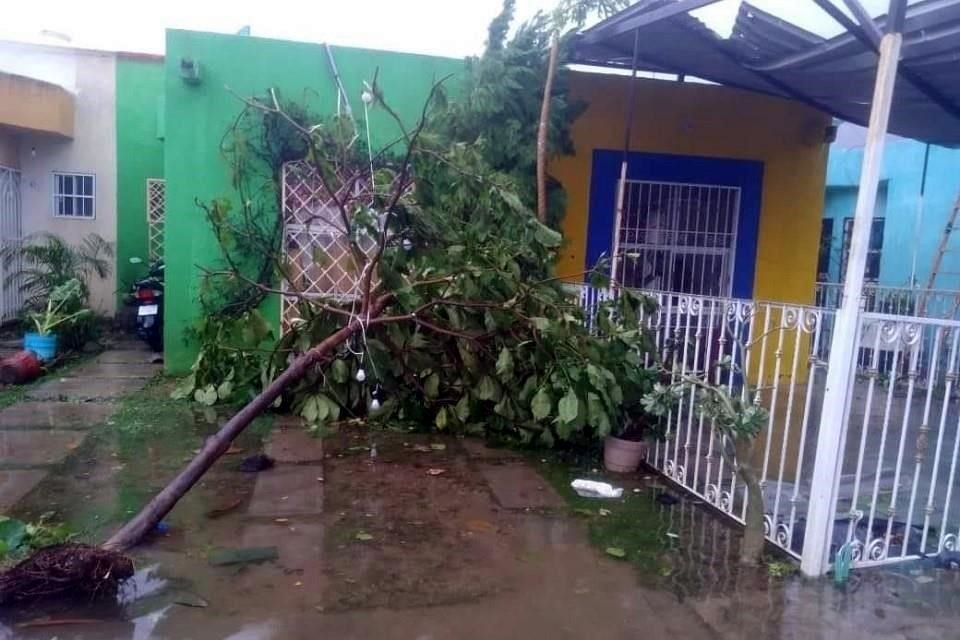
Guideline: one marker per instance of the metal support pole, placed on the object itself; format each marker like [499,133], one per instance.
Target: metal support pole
[843,347]
[617,259]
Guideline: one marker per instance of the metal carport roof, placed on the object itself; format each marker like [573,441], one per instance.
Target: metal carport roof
[767,54]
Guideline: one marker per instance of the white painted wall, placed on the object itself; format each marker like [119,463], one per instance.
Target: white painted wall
[92,150]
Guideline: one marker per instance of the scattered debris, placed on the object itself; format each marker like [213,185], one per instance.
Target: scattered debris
[436,472]
[256,462]
[616,552]
[232,451]
[604,512]
[594,489]
[421,448]
[56,622]
[671,534]
[65,569]
[481,526]
[224,508]
[223,556]
[363,536]
[438,446]
[187,599]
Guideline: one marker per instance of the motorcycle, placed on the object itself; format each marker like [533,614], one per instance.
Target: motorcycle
[146,295]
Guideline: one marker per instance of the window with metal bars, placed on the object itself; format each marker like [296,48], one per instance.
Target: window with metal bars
[73,195]
[678,237]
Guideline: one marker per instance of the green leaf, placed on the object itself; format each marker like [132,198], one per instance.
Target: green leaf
[442,419]
[463,408]
[547,237]
[12,533]
[431,386]
[569,406]
[185,388]
[505,364]
[224,390]
[340,371]
[616,552]
[487,389]
[541,404]
[541,324]
[504,408]
[206,396]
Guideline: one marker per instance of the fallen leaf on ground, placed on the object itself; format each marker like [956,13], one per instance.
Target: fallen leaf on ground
[436,472]
[363,536]
[437,446]
[234,451]
[481,526]
[616,552]
[604,512]
[225,508]
[422,448]
[282,520]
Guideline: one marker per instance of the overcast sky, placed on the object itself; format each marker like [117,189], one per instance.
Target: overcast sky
[443,27]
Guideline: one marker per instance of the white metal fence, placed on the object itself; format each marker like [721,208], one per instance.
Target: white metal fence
[895,489]
[900,301]
[11,233]
[156,216]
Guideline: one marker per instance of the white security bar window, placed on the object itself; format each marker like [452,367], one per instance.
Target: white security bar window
[678,237]
[73,195]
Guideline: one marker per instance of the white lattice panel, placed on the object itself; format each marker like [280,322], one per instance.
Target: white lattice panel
[156,212]
[320,262]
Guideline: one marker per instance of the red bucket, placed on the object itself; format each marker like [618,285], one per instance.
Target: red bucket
[20,368]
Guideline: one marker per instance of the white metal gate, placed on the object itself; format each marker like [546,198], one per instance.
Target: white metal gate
[678,237]
[11,233]
[773,349]
[895,494]
[156,216]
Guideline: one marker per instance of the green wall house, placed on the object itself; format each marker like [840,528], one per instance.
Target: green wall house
[202,102]
[139,86]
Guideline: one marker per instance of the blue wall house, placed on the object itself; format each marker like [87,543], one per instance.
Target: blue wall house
[907,228]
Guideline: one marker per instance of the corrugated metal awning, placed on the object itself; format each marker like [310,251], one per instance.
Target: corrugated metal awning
[768,54]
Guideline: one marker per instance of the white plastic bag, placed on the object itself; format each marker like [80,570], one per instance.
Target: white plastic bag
[594,489]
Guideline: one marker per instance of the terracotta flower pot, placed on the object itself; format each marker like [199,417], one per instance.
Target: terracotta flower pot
[623,456]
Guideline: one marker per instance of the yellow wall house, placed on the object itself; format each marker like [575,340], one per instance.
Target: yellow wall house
[724,190]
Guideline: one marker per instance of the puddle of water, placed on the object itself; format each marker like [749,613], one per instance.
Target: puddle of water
[387,547]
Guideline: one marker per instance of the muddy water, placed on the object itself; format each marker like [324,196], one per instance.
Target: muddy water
[394,535]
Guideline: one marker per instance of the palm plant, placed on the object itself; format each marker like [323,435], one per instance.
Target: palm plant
[44,261]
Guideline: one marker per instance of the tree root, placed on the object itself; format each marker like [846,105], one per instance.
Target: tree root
[65,570]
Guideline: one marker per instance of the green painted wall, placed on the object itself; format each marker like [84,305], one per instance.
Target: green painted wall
[139,156]
[196,117]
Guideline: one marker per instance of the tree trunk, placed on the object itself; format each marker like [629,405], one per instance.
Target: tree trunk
[751,550]
[161,504]
[542,131]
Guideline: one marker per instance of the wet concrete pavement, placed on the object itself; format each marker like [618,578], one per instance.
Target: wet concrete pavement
[51,422]
[397,535]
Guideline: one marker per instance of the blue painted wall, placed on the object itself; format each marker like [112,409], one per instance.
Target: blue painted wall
[898,203]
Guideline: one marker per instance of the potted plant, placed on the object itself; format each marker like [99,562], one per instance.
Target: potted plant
[64,306]
[626,446]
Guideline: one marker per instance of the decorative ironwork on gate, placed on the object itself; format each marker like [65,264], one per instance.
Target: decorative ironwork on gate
[777,348]
[320,260]
[11,232]
[156,215]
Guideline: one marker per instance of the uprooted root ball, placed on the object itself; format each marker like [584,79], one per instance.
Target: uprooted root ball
[65,570]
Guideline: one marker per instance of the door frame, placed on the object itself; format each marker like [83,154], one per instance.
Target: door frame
[663,167]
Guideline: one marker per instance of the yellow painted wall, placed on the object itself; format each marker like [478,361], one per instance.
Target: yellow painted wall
[712,121]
